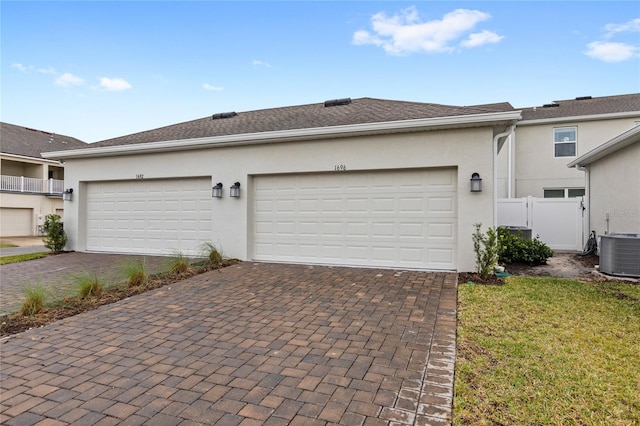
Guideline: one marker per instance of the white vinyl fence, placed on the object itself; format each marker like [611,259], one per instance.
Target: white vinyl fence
[558,222]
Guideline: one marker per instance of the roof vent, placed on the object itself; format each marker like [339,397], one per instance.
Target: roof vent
[337,102]
[583,98]
[222,115]
[550,105]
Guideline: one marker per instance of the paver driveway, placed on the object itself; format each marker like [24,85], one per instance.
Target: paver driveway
[254,343]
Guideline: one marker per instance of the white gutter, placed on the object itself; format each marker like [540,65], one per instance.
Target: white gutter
[290,135]
[590,117]
[496,141]
[622,140]
[34,159]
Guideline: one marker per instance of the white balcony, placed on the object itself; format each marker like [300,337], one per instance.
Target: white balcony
[31,185]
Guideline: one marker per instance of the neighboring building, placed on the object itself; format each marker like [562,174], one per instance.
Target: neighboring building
[363,182]
[548,137]
[613,184]
[31,187]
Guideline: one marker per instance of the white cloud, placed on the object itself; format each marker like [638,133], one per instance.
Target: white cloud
[207,86]
[262,63]
[22,68]
[631,26]
[482,38]
[67,79]
[610,51]
[114,84]
[615,51]
[405,32]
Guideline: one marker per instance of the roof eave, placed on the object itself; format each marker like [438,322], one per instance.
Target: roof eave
[575,118]
[471,120]
[621,141]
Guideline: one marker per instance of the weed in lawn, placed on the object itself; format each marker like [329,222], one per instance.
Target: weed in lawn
[88,285]
[136,273]
[548,351]
[34,300]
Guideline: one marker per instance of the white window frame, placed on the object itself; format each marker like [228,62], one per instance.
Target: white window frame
[574,142]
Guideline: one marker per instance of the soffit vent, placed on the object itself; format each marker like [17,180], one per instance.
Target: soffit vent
[550,105]
[222,115]
[337,102]
[583,98]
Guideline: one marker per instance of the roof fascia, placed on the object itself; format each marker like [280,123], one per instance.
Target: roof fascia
[621,141]
[591,117]
[471,120]
[30,159]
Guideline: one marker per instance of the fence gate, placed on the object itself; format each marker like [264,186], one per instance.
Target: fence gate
[559,222]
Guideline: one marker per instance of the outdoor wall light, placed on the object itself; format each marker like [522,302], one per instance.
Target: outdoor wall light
[234,190]
[67,194]
[476,183]
[216,191]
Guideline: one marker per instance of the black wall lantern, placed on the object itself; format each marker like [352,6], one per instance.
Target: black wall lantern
[216,191]
[476,183]
[67,194]
[234,190]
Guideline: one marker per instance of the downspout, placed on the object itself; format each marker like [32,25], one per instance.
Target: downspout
[586,202]
[496,140]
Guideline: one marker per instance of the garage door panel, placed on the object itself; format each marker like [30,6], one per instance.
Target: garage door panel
[388,219]
[149,216]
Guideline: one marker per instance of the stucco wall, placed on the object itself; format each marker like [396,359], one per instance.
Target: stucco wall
[470,150]
[534,164]
[40,206]
[615,190]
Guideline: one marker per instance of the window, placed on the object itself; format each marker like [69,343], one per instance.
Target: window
[563,192]
[564,141]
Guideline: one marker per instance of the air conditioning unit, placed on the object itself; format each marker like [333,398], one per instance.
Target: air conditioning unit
[620,254]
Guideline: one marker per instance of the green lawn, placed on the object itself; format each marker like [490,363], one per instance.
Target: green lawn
[22,257]
[540,351]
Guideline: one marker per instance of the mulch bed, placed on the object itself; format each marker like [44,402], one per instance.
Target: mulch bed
[17,323]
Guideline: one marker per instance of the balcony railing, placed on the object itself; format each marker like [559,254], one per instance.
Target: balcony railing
[31,185]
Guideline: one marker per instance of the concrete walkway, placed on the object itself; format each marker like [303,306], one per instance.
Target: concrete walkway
[251,344]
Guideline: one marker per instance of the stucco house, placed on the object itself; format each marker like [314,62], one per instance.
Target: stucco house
[550,136]
[362,182]
[612,172]
[31,186]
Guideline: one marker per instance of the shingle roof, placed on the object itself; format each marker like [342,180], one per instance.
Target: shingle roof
[358,111]
[583,106]
[28,142]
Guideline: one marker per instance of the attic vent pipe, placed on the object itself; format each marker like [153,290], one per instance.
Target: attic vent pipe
[223,115]
[550,105]
[337,102]
[583,98]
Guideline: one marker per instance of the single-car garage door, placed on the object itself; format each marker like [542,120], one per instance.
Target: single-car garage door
[149,216]
[16,222]
[398,219]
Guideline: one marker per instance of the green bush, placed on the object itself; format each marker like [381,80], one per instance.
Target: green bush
[514,248]
[486,249]
[56,238]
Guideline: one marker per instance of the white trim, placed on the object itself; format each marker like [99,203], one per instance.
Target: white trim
[622,140]
[291,135]
[573,118]
[34,159]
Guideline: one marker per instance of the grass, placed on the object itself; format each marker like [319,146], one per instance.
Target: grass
[179,263]
[136,273]
[88,285]
[212,255]
[548,351]
[4,245]
[34,300]
[5,260]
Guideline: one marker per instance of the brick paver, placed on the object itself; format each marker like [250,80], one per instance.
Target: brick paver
[253,343]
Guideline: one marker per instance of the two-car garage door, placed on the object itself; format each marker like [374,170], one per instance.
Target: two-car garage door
[385,219]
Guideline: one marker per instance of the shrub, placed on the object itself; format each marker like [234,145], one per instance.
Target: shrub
[516,249]
[88,285]
[56,238]
[486,249]
[34,300]
[136,272]
[212,254]
[180,264]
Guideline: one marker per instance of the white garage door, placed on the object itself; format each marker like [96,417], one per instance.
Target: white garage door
[16,222]
[149,216]
[398,219]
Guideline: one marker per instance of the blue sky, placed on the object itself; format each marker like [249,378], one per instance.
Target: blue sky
[96,70]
